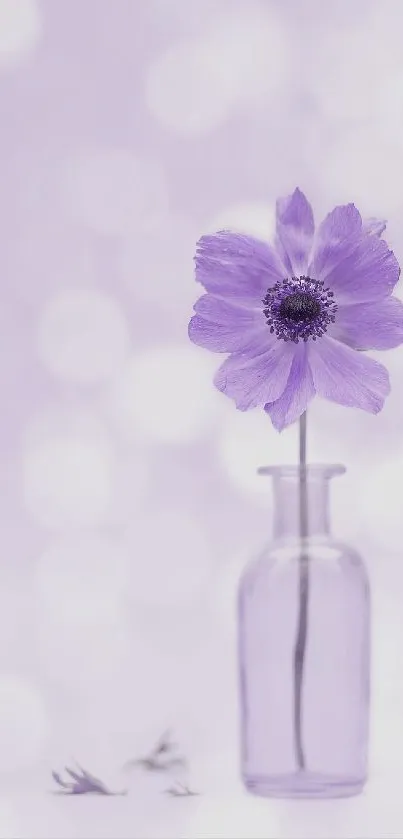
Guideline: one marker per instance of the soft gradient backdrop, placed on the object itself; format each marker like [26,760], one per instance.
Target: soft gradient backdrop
[128,488]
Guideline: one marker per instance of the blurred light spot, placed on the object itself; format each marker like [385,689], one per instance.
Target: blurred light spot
[184,92]
[166,394]
[247,441]
[389,108]
[193,87]
[83,655]
[255,218]
[132,478]
[157,266]
[359,167]
[171,558]
[240,817]
[115,192]
[155,684]
[47,256]
[180,15]
[20,30]
[67,481]
[83,336]
[23,724]
[82,579]
[65,417]
[15,610]
[347,89]
[337,434]
[340,435]
[378,506]
[250,51]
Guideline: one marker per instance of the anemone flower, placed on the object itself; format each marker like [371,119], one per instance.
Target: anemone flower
[294,318]
[292,315]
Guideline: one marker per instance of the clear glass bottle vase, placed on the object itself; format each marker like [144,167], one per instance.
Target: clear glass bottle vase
[304,651]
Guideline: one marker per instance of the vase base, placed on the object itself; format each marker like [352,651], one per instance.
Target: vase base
[304,785]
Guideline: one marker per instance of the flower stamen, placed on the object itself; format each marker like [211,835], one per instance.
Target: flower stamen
[299,308]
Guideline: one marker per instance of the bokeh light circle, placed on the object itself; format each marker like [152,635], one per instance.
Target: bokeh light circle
[157,265]
[378,507]
[250,52]
[171,558]
[113,191]
[67,481]
[194,86]
[82,579]
[247,441]
[256,218]
[166,394]
[20,30]
[357,168]
[83,336]
[183,91]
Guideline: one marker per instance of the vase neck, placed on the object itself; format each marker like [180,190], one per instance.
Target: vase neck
[288,484]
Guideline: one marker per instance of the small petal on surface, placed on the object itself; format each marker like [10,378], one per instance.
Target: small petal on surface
[334,240]
[251,382]
[370,326]
[374,226]
[235,266]
[221,326]
[298,392]
[295,229]
[347,377]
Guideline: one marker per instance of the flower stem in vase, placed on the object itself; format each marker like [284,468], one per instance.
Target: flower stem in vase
[303,596]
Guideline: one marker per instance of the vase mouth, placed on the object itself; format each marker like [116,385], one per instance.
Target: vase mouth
[312,470]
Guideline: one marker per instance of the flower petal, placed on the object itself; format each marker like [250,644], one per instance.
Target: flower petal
[374,226]
[226,312]
[370,272]
[237,266]
[221,326]
[369,326]
[335,239]
[253,381]
[295,229]
[347,377]
[298,392]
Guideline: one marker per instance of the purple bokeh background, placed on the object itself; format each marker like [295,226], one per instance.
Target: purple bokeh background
[129,499]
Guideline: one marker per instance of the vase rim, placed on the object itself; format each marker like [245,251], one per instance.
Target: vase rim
[325,470]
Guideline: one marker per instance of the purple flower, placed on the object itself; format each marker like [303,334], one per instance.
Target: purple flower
[293,315]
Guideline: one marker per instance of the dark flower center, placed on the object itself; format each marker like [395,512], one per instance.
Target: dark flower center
[299,308]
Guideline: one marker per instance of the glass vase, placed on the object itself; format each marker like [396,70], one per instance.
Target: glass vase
[304,650]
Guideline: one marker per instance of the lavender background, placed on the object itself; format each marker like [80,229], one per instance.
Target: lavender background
[129,500]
